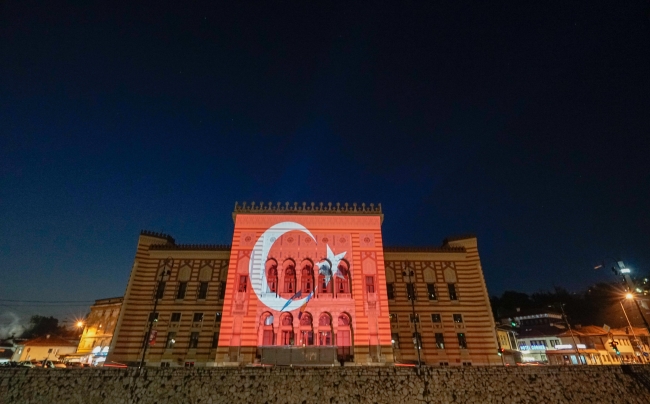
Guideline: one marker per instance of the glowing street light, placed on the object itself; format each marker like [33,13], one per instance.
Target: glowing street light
[629,296]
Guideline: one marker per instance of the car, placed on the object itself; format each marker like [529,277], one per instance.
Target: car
[55,365]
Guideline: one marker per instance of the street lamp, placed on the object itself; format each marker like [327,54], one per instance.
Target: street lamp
[80,324]
[408,272]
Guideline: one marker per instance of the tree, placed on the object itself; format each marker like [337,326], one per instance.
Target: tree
[40,326]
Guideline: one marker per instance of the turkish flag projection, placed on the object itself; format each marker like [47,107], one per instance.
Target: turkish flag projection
[303,280]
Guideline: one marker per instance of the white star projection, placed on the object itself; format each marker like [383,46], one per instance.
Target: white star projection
[325,269]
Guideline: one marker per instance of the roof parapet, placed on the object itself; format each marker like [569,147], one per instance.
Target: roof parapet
[162,236]
[309,209]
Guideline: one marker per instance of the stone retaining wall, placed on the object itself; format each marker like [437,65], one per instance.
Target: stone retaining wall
[592,384]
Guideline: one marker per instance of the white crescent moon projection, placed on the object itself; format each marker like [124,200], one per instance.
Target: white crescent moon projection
[257,266]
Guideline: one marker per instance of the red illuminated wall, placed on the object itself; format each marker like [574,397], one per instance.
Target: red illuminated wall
[245,312]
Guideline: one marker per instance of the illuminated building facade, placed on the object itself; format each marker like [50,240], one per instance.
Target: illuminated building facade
[98,330]
[305,285]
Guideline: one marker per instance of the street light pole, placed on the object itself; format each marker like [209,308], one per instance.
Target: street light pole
[152,317]
[409,273]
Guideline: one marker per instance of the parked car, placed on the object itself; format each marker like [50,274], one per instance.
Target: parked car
[55,365]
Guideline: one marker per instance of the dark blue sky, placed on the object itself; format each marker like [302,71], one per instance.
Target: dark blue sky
[526,124]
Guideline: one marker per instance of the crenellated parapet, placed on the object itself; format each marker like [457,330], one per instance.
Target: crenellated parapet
[194,247]
[312,208]
[163,236]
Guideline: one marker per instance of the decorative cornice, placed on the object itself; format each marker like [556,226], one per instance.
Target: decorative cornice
[425,249]
[459,237]
[308,209]
[163,236]
[195,247]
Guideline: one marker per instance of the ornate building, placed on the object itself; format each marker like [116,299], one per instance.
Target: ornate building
[305,285]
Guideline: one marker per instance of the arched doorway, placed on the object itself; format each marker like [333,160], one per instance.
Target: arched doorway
[306,330]
[325,330]
[344,338]
[266,334]
[286,329]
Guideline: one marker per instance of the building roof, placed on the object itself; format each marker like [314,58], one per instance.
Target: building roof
[162,236]
[194,247]
[109,300]
[425,249]
[628,331]
[51,341]
[309,209]
[585,330]
[540,331]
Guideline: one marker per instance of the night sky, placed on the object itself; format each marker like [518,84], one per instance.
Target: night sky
[526,124]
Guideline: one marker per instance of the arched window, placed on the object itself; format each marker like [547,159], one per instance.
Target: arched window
[343,281]
[286,329]
[325,286]
[325,330]
[266,328]
[307,278]
[290,279]
[306,330]
[272,276]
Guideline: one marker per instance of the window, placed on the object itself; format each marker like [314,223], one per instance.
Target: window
[390,291]
[182,288]
[444,363]
[165,364]
[267,337]
[325,338]
[462,342]
[287,338]
[171,340]
[160,292]
[176,317]
[410,291]
[194,340]
[222,290]
[458,318]
[523,346]
[394,339]
[440,340]
[431,291]
[452,291]
[290,280]
[307,281]
[417,340]
[435,318]
[414,318]
[393,318]
[243,282]
[198,317]
[215,340]
[153,316]
[189,364]
[467,363]
[203,290]
[370,284]
[218,317]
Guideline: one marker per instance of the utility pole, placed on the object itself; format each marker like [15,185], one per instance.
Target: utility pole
[573,337]
[408,272]
[152,317]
